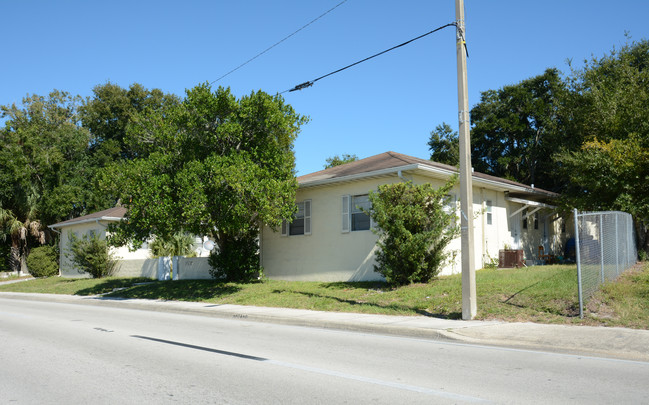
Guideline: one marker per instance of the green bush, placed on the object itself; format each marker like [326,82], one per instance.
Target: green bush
[238,262]
[414,230]
[43,261]
[92,255]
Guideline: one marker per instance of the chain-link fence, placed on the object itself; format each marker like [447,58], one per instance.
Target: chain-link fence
[605,248]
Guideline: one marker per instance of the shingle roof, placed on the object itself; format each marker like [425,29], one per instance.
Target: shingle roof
[393,160]
[113,214]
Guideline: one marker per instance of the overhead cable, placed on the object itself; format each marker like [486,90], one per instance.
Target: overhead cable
[311,82]
[279,42]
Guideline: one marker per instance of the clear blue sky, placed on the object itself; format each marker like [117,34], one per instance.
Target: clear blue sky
[389,103]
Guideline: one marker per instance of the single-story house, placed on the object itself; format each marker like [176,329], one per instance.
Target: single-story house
[331,238]
[136,263]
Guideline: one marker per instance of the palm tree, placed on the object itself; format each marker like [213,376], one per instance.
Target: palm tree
[19,231]
[180,244]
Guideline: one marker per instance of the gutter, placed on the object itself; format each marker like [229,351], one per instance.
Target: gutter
[84,221]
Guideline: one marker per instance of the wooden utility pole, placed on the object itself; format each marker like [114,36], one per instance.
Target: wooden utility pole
[469,306]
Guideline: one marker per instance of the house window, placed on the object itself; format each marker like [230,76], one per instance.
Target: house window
[536,221]
[301,224]
[450,207]
[489,213]
[354,210]
[525,218]
[360,205]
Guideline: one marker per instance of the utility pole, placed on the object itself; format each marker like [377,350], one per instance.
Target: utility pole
[469,305]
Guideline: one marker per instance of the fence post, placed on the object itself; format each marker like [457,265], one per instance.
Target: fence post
[601,246]
[617,248]
[581,297]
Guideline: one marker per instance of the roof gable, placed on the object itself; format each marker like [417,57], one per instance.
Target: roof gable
[391,162]
[111,214]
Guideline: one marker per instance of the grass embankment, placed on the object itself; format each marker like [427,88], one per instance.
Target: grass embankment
[538,294]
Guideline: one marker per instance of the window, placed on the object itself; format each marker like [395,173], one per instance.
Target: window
[353,216]
[301,224]
[360,205]
[489,213]
[450,207]
[536,221]
[525,218]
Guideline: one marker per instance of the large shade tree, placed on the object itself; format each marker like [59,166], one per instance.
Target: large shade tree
[609,110]
[212,165]
[43,169]
[515,130]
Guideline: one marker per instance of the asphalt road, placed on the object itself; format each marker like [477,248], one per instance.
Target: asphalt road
[52,353]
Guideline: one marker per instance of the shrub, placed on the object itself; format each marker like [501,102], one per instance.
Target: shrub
[43,261]
[238,261]
[414,230]
[92,255]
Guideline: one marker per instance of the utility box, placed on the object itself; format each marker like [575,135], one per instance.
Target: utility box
[510,258]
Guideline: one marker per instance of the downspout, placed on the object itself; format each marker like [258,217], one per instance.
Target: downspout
[400,174]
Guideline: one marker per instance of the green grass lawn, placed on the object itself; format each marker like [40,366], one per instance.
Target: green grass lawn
[538,294]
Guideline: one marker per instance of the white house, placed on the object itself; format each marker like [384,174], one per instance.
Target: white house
[331,239]
[137,263]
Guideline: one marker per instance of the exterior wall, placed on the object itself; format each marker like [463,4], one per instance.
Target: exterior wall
[192,268]
[137,268]
[131,264]
[67,269]
[328,254]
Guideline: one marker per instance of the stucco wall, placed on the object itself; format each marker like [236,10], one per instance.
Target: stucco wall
[131,264]
[193,268]
[328,254]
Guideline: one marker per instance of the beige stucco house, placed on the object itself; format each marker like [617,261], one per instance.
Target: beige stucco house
[331,238]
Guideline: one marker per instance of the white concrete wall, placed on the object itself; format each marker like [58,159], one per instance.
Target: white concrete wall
[192,268]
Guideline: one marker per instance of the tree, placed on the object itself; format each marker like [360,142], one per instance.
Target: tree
[340,160]
[444,145]
[608,110]
[111,110]
[212,165]
[515,131]
[414,230]
[43,169]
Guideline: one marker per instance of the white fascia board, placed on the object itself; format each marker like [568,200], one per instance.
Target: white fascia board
[493,184]
[530,203]
[359,176]
[84,221]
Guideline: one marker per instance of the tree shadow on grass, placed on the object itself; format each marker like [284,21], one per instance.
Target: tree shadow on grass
[106,285]
[179,290]
[356,303]
[557,306]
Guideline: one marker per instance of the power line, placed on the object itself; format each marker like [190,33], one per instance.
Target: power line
[279,42]
[310,83]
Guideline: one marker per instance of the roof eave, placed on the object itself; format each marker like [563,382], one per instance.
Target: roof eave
[429,169]
[84,221]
